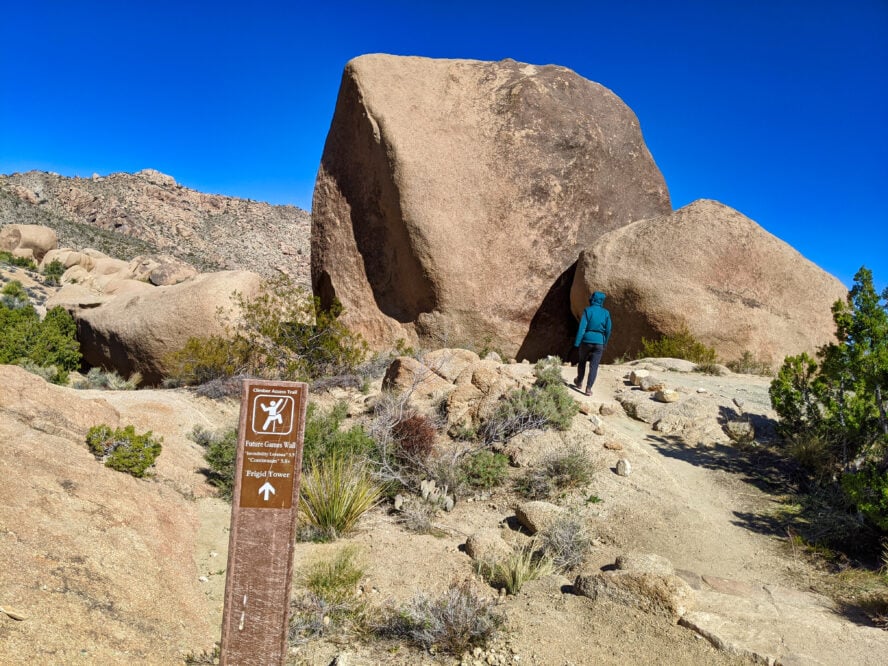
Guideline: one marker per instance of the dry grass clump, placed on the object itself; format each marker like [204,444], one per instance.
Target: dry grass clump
[566,469]
[567,540]
[453,623]
[523,564]
[330,603]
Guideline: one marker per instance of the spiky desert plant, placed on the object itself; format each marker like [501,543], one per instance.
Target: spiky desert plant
[335,493]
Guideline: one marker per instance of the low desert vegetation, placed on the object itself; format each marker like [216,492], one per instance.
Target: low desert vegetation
[452,623]
[108,380]
[282,334]
[522,565]
[678,345]
[833,413]
[329,603]
[546,404]
[748,364]
[52,272]
[558,472]
[49,344]
[20,262]
[123,449]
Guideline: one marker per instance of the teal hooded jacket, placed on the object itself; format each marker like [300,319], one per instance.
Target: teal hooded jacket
[595,324]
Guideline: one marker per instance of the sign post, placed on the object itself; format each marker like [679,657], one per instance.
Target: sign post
[263,523]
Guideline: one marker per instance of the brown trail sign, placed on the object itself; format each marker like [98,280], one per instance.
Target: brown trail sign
[263,523]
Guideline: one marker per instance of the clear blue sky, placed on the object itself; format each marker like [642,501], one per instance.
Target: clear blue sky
[778,108]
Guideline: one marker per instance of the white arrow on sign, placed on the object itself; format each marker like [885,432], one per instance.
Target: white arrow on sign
[267,489]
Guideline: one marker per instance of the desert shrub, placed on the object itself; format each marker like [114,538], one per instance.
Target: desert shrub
[53,271]
[868,491]
[748,364]
[324,437]
[21,262]
[49,342]
[123,449]
[549,406]
[281,334]
[709,369]
[485,469]
[837,408]
[97,378]
[205,359]
[567,541]
[416,515]
[330,602]
[334,495]
[14,294]
[679,345]
[453,623]
[558,471]
[220,455]
[525,563]
[548,371]
[414,437]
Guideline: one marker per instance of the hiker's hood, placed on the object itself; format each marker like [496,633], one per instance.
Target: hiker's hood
[597,298]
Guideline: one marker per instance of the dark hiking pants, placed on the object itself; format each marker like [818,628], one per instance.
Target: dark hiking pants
[592,353]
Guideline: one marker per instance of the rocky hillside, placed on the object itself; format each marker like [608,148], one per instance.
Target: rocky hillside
[125,215]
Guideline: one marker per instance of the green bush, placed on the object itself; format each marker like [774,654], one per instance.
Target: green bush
[549,406]
[748,364]
[221,456]
[548,372]
[49,342]
[485,469]
[325,439]
[21,262]
[124,450]
[679,345]
[53,271]
[281,334]
[335,493]
[453,623]
[868,491]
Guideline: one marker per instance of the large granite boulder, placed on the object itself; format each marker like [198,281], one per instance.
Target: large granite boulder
[708,267]
[31,241]
[136,330]
[454,196]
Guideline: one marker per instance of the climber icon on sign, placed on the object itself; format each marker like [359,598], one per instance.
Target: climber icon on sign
[278,412]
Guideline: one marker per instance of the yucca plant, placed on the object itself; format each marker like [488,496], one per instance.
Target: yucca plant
[335,493]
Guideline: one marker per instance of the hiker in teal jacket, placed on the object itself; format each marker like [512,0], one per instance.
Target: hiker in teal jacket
[592,337]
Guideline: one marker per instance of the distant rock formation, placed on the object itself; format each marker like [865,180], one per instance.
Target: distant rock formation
[124,215]
[454,196]
[131,315]
[706,266]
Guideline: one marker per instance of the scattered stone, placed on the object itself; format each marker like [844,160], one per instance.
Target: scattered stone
[636,376]
[667,395]
[645,563]
[607,410]
[536,516]
[487,544]
[659,594]
[12,613]
[651,383]
[624,468]
[613,446]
